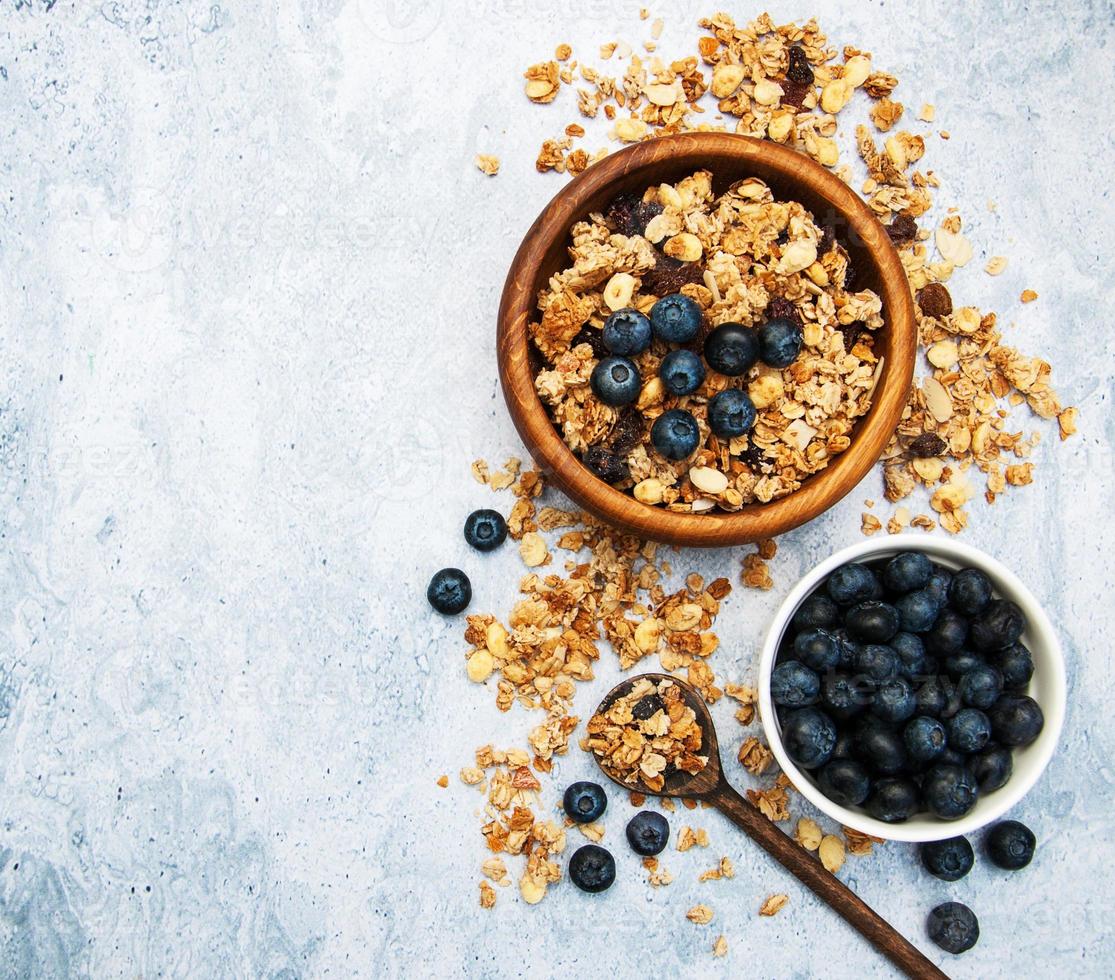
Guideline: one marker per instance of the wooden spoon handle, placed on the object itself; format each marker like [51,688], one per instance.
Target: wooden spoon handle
[857,913]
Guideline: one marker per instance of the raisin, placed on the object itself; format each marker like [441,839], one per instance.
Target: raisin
[628,214]
[780,308]
[902,230]
[628,431]
[853,333]
[828,238]
[794,93]
[928,444]
[935,300]
[753,458]
[799,70]
[851,274]
[594,338]
[668,276]
[646,707]
[609,466]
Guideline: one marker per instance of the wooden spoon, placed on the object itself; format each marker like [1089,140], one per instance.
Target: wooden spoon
[711,786]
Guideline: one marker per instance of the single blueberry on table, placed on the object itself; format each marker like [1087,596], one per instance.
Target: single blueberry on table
[880,746]
[907,572]
[917,611]
[948,633]
[817,649]
[913,661]
[676,319]
[816,612]
[949,791]
[970,591]
[968,730]
[681,372]
[958,664]
[924,738]
[991,767]
[626,332]
[872,621]
[615,381]
[980,687]
[852,583]
[894,700]
[648,832]
[793,685]
[731,413]
[998,626]
[893,800]
[844,697]
[844,781]
[876,661]
[732,349]
[1010,845]
[584,802]
[449,591]
[954,927]
[1016,719]
[809,736]
[950,859]
[485,530]
[592,868]
[779,342]
[1015,664]
[675,434]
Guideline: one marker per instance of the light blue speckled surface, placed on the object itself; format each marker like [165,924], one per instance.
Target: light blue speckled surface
[248,280]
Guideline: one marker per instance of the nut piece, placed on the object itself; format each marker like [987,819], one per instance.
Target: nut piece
[630,130]
[856,70]
[836,95]
[937,399]
[708,480]
[767,92]
[533,550]
[531,889]
[684,247]
[649,491]
[797,256]
[808,834]
[831,852]
[953,246]
[620,289]
[480,666]
[725,80]
[943,354]
[662,95]
[765,390]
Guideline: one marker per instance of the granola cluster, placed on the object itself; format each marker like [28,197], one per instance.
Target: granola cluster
[743,257]
[646,734]
[789,84]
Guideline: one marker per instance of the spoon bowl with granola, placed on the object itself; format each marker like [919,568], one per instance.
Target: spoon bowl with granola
[706,339]
[653,734]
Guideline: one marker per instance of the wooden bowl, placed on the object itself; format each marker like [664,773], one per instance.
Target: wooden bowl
[791,176]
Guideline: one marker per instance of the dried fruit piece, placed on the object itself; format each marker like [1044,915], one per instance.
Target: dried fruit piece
[928,444]
[934,300]
[903,229]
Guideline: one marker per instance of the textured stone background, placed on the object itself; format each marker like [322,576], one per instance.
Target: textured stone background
[248,291]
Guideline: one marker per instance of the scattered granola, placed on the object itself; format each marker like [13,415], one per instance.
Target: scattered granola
[725,869]
[487,164]
[443,781]
[808,834]
[688,837]
[720,947]
[701,914]
[773,904]
[831,853]
[487,896]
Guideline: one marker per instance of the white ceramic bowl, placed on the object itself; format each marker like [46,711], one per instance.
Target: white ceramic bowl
[1047,688]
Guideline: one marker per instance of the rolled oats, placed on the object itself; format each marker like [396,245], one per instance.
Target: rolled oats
[488,164]
[700,914]
[773,904]
[720,947]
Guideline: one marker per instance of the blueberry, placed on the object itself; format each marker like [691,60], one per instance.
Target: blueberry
[592,869]
[932,698]
[449,591]
[894,700]
[793,685]
[950,859]
[818,611]
[1015,664]
[872,622]
[924,738]
[847,647]
[893,799]
[907,572]
[1016,719]
[852,583]
[949,791]
[845,782]
[809,736]
[876,661]
[980,687]
[779,342]
[732,349]
[881,747]
[1010,845]
[917,611]
[845,747]
[615,381]
[939,582]
[817,649]
[991,767]
[675,319]
[970,591]
[648,832]
[969,730]
[958,664]
[485,530]
[675,434]
[954,927]
[913,661]
[626,332]
[998,626]
[948,634]
[731,413]
[584,802]
[844,697]
[681,372]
